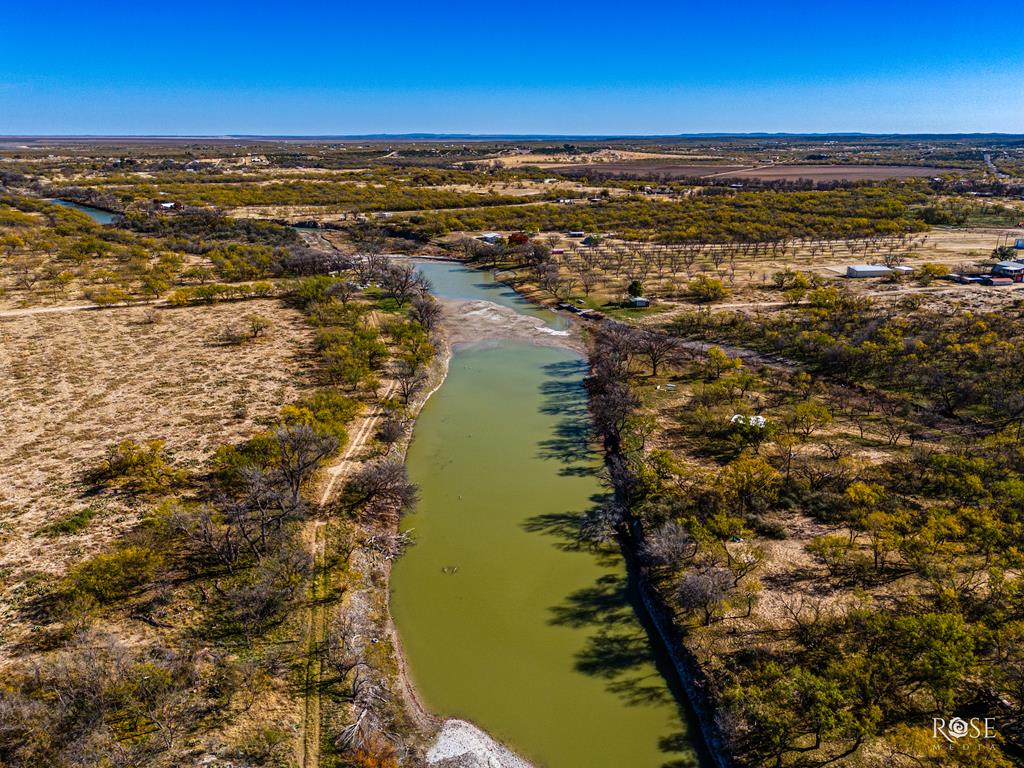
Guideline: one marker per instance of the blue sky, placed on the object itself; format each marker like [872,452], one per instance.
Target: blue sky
[184,67]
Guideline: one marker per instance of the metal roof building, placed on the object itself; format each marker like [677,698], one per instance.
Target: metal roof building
[867,270]
[1008,268]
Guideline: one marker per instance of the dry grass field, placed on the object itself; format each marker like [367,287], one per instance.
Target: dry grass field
[75,383]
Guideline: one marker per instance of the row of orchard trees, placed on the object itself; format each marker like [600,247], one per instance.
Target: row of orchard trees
[610,267]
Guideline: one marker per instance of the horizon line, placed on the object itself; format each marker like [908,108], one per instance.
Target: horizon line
[428,136]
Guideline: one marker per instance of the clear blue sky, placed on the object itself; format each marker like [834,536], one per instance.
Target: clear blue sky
[571,67]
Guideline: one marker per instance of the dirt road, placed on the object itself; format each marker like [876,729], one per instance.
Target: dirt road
[317,613]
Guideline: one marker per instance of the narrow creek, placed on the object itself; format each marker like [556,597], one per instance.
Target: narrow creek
[505,621]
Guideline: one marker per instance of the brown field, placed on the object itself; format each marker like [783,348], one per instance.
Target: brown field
[841,172]
[76,382]
[654,169]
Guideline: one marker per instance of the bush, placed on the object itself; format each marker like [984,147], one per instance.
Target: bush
[108,296]
[229,461]
[109,576]
[327,412]
[266,746]
[707,289]
[928,272]
[137,468]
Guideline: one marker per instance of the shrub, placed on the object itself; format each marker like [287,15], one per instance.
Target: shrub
[327,411]
[229,461]
[109,576]
[707,289]
[137,468]
[928,272]
[108,296]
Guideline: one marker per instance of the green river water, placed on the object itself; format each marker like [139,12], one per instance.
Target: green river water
[505,621]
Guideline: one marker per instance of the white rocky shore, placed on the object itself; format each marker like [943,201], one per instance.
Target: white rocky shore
[462,745]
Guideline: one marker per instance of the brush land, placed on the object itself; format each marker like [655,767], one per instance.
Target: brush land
[205,404]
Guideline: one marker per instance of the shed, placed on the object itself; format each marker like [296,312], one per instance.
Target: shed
[903,269]
[991,280]
[867,270]
[490,237]
[1019,243]
[1008,269]
[576,233]
[638,301]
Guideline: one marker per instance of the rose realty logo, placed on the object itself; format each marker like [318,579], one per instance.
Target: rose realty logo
[957,728]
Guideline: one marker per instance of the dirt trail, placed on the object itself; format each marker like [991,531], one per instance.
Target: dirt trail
[27,311]
[317,615]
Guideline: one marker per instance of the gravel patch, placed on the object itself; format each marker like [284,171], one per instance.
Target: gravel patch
[463,745]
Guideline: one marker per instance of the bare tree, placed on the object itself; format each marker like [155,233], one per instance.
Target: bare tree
[403,281]
[391,431]
[380,490]
[426,311]
[343,291]
[657,347]
[300,449]
[410,377]
[704,591]
[670,545]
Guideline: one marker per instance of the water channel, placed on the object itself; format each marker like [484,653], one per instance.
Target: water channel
[505,620]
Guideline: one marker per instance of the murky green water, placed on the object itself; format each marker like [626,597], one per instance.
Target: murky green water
[506,622]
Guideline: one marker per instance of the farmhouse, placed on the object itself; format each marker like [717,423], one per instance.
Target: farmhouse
[1008,269]
[867,270]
